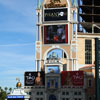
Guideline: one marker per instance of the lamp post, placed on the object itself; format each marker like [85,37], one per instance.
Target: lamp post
[97,69]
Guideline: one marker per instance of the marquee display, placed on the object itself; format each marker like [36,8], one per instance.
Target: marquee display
[55,14]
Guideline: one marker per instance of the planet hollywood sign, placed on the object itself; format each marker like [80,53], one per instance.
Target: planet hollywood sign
[55,4]
[55,14]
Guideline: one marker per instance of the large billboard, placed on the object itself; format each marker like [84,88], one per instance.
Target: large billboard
[55,14]
[72,78]
[34,78]
[56,34]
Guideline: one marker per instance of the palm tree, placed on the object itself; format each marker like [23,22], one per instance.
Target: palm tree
[3,95]
[6,88]
[10,89]
[0,88]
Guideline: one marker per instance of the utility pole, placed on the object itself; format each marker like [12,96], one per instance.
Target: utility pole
[97,69]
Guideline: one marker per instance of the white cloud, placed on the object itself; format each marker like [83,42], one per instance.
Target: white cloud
[22,31]
[24,7]
[16,45]
[9,60]
[13,72]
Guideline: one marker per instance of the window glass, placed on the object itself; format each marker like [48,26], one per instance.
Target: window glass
[88,52]
[79,93]
[63,93]
[89,83]
[37,93]
[89,98]
[75,93]
[67,93]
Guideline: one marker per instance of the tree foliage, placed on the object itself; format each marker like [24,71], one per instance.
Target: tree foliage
[3,95]
[10,89]
[3,92]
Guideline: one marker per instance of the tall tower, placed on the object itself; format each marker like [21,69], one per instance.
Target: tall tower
[56,29]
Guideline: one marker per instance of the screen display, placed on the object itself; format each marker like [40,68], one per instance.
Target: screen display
[55,14]
[34,78]
[53,69]
[55,34]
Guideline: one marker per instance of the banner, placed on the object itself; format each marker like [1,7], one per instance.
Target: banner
[34,78]
[72,78]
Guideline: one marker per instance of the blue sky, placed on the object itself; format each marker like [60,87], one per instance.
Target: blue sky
[17,39]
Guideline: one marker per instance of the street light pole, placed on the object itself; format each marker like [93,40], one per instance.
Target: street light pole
[97,68]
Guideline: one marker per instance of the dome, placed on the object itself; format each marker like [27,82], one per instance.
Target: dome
[18,85]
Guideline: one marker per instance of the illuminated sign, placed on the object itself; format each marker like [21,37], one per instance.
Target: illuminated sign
[56,34]
[72,78]
[55,14]
[34,78]
[15,97]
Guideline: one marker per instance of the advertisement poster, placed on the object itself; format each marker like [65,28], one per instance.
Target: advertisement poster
[55,14]
[34,78]
[56,34]
[72,78]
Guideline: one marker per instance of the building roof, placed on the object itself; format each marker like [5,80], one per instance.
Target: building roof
[90,66]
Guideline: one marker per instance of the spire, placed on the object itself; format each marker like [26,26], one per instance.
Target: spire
[75,3]
[38,5]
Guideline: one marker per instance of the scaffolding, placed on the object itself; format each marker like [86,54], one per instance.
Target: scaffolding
[89,16]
